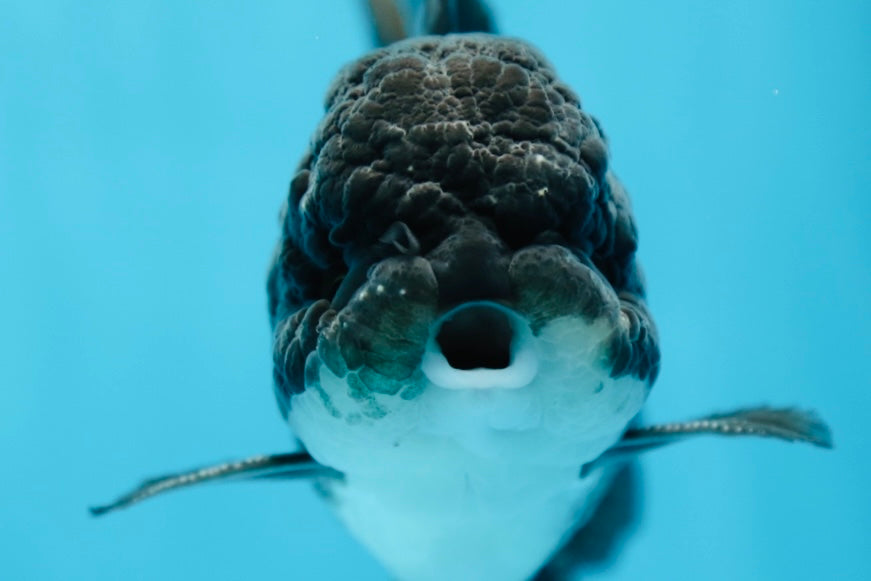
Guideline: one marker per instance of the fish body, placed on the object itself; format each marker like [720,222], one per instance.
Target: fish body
[499,338]
[461,341]
[473,482]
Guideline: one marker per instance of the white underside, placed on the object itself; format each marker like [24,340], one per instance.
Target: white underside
[476,483]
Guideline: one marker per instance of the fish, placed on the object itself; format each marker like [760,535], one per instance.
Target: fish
[461,341]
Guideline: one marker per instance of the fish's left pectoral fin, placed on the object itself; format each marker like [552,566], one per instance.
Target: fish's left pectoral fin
[788,424]
[293,465]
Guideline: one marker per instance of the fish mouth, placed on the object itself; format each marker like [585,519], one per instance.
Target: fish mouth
[480,345]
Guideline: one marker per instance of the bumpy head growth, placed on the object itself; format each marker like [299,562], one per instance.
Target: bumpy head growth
[480,151]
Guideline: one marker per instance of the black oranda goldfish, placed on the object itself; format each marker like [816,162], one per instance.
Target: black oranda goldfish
[461,340]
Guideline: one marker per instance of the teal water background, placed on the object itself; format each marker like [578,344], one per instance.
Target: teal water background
[145,148]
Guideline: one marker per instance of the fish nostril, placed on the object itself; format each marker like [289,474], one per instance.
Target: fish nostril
[476,337]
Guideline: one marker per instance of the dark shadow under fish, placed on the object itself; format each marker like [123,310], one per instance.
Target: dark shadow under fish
[461,341]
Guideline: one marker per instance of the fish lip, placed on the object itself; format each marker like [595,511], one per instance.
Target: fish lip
[522,367]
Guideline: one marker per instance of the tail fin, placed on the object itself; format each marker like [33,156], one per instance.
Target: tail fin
[392,23]
[451,16]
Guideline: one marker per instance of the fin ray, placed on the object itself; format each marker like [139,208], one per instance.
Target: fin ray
[788,424]
[292,465]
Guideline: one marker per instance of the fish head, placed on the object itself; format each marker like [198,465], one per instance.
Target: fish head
[457,264]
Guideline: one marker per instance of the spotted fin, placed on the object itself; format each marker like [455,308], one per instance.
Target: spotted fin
[293,465]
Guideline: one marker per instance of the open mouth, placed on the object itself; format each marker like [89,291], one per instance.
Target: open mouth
[478,336]
[480,345]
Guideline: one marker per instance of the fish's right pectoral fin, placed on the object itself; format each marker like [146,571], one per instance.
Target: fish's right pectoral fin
[293,465]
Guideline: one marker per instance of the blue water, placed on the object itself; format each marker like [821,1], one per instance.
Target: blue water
[145,149]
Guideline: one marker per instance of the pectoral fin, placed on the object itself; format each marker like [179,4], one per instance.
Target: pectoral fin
[294,465]
[789,424]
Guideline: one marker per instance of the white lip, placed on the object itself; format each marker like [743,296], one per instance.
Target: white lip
[520,372]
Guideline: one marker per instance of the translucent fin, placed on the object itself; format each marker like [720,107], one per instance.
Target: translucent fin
[295,465]
[596,545]
[388,22]
[789,424]
[453,16]
[391,23]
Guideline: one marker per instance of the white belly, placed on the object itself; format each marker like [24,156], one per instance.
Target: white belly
[491,521]
[476,483]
